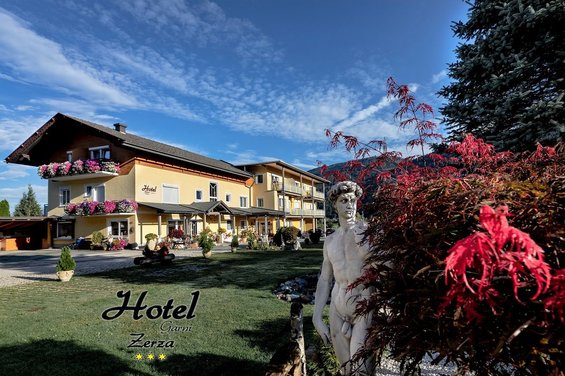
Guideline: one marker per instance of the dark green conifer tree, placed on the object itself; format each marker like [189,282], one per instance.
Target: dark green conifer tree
[509,78]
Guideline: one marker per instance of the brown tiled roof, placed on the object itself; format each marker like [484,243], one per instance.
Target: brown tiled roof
[134,142]
[286,165]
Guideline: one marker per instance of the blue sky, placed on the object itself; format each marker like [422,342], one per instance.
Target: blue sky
[238,80]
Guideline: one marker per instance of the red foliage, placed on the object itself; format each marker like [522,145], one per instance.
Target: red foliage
[481,257]
[500,292]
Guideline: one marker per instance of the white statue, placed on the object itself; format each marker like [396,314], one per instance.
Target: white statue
[344,260]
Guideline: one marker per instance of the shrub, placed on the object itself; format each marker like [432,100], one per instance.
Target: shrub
[66,261]
[286,235]
[118,244]
[315,236]
[151,236]
[508,318]
[206,241]
[234,242]
[489,303]
[97,238]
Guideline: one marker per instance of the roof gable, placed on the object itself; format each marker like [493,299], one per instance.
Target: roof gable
[125,140]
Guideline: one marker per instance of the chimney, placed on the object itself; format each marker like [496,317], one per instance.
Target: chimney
[120,127]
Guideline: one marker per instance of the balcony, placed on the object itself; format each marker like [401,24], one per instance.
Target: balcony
[306,212]
[78,170]
[290,187]
[317,194]
[95,208]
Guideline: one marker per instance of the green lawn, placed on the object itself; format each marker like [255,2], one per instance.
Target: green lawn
[52,327]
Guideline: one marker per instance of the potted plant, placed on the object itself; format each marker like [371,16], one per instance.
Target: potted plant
[206,242]
[97,241]
[151,241]
[234,243]
[221,234]
[66,265]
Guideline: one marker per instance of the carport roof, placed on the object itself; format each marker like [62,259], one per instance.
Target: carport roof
[7,223]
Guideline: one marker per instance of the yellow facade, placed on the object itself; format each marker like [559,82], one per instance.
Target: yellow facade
[288,189]
[175,189]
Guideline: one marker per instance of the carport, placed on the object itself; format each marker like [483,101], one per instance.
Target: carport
[25,233]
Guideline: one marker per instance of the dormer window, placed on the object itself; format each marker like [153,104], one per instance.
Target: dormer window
[100,152]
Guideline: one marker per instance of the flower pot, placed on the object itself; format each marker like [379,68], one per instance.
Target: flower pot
[233,249]
[151,244]
[207,254]
[65,275]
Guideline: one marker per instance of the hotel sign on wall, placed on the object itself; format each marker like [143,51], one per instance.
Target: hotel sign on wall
[149,190]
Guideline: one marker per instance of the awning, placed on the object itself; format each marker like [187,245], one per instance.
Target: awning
[257,212]
[169,208]
[210,207]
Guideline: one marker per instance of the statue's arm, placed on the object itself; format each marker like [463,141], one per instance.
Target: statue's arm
[321,297]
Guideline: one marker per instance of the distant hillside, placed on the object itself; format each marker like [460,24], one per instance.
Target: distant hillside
[369,184]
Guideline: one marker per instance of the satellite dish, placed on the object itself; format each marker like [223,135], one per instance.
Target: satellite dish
[249,182]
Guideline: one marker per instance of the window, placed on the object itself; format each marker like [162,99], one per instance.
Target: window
[170,194]
[296,204]
[198,195]
[65,230]
[213,191]
[100,152]
[275,180]
[281,202]
[242,224]
[228,198]
[119,229]
[242,201]
[259,179]
[64,196]
[70,156]
[260,203]
[229,225]
[99,193]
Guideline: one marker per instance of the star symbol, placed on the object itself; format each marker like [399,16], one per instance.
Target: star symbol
[138,356]
[162,357]
[150,356]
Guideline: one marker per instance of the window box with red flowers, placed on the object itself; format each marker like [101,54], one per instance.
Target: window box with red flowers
[87,208]
[78,167]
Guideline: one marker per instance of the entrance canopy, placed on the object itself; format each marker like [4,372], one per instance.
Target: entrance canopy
[169,208]
[194,208]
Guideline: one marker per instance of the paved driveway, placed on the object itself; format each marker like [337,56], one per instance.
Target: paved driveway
[18,267]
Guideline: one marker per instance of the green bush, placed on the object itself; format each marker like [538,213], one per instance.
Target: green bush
[286,235]
[206,241]
[151,236]
[66,261]
[234,242]
[97,238]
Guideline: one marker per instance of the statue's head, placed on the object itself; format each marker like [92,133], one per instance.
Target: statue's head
[344,196]
[344,187]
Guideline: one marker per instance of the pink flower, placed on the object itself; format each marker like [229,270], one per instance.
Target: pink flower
[78,166]
[70,209]
[109,206]
[92,166]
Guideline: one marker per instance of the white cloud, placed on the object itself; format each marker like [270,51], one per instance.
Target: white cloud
[439,76]
[38,60]
[248,156]
[362,115]
[15,130]
[13,172]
